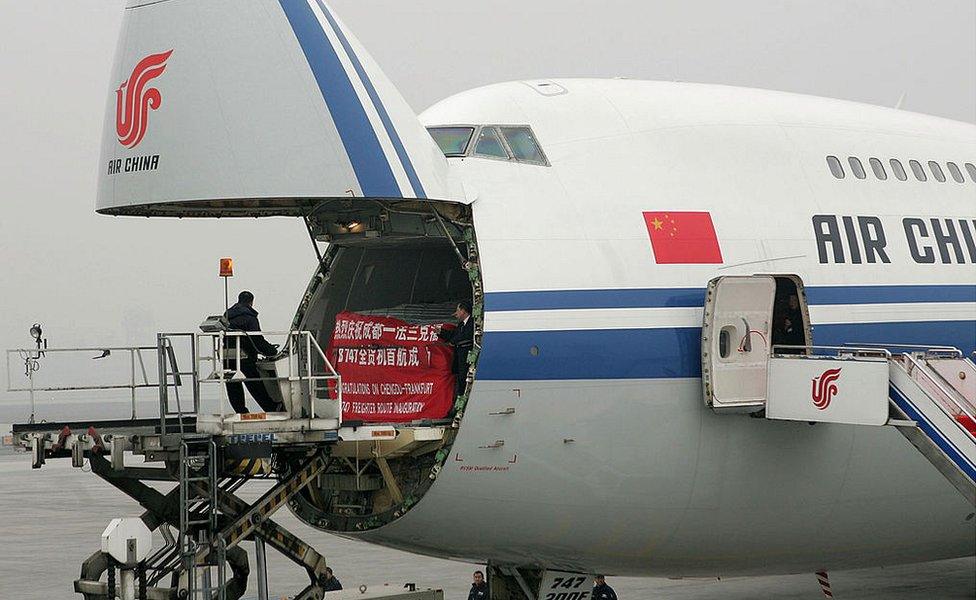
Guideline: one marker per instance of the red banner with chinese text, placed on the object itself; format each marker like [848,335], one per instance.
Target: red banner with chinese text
[391,371]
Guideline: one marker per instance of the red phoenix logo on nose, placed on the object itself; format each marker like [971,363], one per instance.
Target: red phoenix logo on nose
[824,387]
[134,99]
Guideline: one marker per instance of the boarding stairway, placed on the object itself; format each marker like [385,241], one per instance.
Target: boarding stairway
[927,393]
[934,391]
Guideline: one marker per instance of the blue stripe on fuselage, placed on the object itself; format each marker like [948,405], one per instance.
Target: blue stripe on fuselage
[694,297]
[418,188]
[889,294]
[669,352]
[358,137]
[625,298]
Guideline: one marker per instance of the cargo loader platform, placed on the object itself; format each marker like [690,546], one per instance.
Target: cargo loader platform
[211,455]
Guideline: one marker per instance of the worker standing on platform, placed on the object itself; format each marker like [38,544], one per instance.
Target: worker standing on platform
[479,588]
[602,591]
[243,317]
[462,338]
[331,583]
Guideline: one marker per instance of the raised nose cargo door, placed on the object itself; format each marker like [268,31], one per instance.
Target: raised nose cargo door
[736,333]
[228,108]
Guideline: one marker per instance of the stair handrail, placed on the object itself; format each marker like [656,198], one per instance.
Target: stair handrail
[948,393]
[929,350]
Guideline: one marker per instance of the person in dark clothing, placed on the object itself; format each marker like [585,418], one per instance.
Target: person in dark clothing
[462,338]
[331,584]
[479,589]
[243,317]
[602,591]
[789,328]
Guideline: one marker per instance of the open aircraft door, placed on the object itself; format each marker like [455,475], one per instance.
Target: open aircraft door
[220,108]
[736,334]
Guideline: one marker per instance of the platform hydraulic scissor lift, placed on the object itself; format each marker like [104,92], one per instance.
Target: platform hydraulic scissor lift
[209,457]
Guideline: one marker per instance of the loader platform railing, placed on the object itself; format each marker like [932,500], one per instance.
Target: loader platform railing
[190,376]
[137,376]
[300,375]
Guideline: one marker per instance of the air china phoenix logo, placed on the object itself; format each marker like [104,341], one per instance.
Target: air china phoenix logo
[824,388]
[134,99]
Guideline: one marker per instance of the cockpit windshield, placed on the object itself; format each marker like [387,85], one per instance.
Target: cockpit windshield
[513,143]
[453,141]
[523,145]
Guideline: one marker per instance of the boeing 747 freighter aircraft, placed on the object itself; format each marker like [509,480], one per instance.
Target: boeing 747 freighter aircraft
[673,285]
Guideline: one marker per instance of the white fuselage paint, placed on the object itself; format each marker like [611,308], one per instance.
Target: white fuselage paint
[610,462]
[634,475]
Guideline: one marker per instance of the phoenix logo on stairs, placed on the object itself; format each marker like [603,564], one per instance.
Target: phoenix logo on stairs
[133,99]
[824,388]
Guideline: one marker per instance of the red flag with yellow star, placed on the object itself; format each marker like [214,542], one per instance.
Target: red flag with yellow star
[683,238]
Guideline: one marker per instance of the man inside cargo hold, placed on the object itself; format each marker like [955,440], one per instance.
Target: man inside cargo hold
[462,338]
[243,317]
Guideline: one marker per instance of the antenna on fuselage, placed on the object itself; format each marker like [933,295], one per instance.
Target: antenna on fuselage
[901,100]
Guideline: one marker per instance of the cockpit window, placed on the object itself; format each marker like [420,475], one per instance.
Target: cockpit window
[514,143]
[523,145]
[453,141]
[490,144]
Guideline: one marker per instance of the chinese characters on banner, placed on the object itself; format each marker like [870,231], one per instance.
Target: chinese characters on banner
[391,371]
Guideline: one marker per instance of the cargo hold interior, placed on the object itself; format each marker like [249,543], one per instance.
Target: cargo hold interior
[412,261]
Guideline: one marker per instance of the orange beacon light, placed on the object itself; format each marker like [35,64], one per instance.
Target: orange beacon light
[227,267]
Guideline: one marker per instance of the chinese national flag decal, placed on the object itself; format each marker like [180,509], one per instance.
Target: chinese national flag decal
[682,238]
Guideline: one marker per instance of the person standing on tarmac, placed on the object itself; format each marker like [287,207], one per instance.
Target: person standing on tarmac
[243,317]
[479,589]
[602,591]
[462,339]
[331,583]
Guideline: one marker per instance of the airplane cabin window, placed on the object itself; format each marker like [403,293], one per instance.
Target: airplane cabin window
[836,168]
[878,167]
[955,172]
[898,170]
[453,141]
[972,172]
[937,171]
[856,167]
[918,170]
[523,145]
[490,144]
[724,342]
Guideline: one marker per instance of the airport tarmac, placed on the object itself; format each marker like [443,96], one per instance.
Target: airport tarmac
[50,520]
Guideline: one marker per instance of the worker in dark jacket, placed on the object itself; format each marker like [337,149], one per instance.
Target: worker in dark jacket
[243,317]
[331,583]
[462,338]
[602,591]
[479,589]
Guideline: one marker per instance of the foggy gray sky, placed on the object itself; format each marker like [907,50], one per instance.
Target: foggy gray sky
[97,280]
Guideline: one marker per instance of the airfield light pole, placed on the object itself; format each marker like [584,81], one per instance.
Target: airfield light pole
[31,363]
[226,272]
